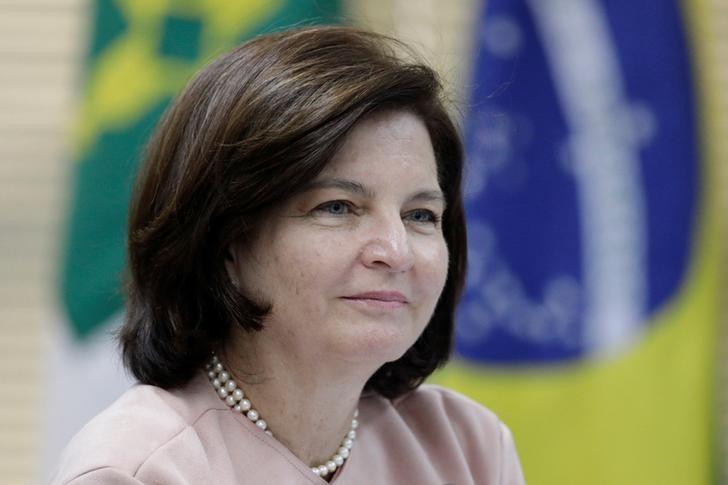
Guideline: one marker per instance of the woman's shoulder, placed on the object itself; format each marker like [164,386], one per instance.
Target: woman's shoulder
[460,439]
[446,408]
[432,410]
[126,434]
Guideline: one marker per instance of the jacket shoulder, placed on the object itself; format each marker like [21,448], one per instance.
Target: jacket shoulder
[123,436]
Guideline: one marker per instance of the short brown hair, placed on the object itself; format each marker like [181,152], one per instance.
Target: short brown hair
[249,130]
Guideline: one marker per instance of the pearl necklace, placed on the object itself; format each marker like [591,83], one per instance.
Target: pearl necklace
[228,390]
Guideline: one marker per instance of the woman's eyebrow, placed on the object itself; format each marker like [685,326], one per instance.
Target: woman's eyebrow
[357,188]
[339,183]
[429,196]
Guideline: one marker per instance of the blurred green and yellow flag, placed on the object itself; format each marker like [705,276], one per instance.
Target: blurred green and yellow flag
[141,54]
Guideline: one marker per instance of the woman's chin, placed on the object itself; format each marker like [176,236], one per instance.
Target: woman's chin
[375,346]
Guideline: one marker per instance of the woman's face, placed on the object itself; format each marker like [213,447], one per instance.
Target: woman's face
[353,265]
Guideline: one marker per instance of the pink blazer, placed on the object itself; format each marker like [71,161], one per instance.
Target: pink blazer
[188,436]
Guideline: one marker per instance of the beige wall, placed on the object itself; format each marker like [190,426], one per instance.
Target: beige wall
[40,46]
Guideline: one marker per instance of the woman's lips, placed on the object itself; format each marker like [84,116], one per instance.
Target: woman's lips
[385,300]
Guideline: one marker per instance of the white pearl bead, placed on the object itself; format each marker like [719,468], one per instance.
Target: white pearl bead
[347,443]
[315,470]
[211,375]
[323,471]
[224,376]
[344,452]
[230,400]
[238,394]
[215,360]
[331,466]
[261,424]
[216,383]
[268,432]
[237,408]
[356,413]
[354,424]
[230,385]
[351,434]
[222,392]
[338,459]
[218,367]
[245,404]
[253,415]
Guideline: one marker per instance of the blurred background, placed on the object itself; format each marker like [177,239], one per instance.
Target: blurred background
[594,317]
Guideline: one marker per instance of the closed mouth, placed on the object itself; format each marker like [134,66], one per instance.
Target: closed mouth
[378,301]
[379,296]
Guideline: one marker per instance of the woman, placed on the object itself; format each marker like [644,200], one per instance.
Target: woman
[297,248]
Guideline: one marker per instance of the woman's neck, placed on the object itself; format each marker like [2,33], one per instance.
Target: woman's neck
[307,403]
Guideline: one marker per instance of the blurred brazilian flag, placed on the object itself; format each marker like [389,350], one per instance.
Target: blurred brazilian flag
[590,315]
[142,53]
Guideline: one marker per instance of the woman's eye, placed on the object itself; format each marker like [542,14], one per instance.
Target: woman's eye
[335,207]
[423,216]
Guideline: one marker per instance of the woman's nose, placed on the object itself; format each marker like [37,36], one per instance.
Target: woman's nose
[388,246]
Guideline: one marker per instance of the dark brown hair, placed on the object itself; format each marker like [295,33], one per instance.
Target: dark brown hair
[250,129]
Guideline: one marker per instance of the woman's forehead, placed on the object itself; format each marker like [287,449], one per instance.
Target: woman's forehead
[380,140]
